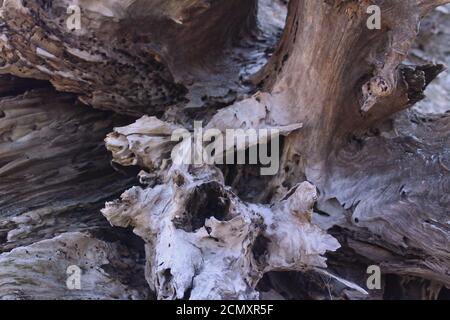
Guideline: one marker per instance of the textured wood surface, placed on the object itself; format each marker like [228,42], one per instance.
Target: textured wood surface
[364,178]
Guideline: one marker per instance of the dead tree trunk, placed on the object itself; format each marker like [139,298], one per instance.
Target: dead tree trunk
[362,180]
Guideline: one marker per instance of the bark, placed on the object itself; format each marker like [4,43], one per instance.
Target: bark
[364,180]
[172,62]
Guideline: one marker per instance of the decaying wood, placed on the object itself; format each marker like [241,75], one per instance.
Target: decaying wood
[171,62]
[38,271]
[363,180]
[49,143]
[227,245]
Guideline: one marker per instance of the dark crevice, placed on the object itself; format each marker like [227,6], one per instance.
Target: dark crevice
[260,250]
[206,201]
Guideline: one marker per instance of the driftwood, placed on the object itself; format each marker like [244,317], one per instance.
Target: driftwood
[363,179]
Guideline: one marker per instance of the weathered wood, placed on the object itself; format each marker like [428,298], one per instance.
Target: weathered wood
[39,271]
[189,54]
[54,169]
[54,178]
[362,180]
